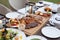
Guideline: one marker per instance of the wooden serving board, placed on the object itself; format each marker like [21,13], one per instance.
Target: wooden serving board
[34,30]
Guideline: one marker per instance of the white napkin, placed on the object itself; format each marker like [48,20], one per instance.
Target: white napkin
[22,10]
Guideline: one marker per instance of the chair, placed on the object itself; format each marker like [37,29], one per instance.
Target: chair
[17,4]
[4,10]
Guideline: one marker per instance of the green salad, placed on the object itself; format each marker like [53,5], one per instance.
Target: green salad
[35,39]
[7,34]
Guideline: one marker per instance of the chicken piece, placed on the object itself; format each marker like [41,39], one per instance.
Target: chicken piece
[38,13]
[47,9]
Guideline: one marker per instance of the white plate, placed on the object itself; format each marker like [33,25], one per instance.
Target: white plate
[36,36]
[19,33]
[38,4]
[51,32]
[12,15]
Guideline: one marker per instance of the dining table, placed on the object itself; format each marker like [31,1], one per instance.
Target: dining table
[48,21]
[23,10]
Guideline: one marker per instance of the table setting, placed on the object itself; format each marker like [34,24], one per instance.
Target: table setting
[37,21]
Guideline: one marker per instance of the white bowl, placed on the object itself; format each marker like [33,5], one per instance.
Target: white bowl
[14,15]
[36,36]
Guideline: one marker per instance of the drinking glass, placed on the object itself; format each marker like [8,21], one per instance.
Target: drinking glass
[29,7]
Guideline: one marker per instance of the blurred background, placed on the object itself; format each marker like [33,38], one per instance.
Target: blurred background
[6,3]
